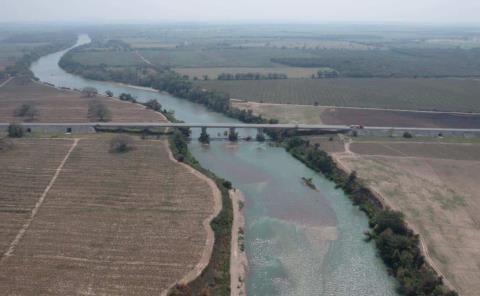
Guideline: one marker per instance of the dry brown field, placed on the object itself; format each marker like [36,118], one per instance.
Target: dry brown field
[436,186]
[111,224]
[368,117]
[63,105]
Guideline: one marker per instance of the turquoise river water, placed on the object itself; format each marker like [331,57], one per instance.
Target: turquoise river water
[298,241]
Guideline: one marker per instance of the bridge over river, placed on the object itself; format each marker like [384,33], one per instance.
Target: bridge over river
[78,127]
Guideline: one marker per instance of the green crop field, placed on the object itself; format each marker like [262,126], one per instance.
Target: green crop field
[414,94]
[110,58]
[221,57]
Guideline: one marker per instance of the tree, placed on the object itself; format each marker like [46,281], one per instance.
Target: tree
[27,110]
[98,111]
[127,97]
[121,143]
[109,93]
[89,91]
[154,105]
[15,130]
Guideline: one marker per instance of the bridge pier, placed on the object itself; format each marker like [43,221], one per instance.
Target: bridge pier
[204,137]
[232,135]
[260,134]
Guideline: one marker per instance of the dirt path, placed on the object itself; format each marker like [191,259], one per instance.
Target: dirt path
[6,81]
[143,58]
[217,206]
[238,258]
[37,206]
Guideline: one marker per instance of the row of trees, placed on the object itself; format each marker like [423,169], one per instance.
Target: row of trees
[251,76]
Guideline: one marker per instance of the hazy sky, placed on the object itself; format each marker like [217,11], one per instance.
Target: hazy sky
[445,11]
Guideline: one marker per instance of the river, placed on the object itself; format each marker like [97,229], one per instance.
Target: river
[298,241]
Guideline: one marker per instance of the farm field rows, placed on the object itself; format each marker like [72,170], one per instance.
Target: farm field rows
[27,168]
[412,94]
[287,113]
[435,185]
[128,223]
[64,106]
[220,57]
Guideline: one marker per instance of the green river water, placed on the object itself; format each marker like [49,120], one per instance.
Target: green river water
[298,241]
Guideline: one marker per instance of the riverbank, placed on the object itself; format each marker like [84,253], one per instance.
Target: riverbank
[238,258]
[215,278]
[398,245]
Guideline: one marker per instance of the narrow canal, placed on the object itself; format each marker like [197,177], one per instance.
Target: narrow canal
[298,241]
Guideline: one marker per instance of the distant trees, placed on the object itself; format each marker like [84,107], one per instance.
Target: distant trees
[89,91]
[15,130]
[251,76]
[27,110]
[121,143]
[98,111]
[109,93]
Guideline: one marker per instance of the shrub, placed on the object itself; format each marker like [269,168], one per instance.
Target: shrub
[407,135]
[89,91]
[15,130]
[154,105]
[127,97]
[109,93]
[27,110]
[98,111]
[121,144]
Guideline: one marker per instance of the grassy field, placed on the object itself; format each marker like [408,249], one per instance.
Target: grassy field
[129,223]
[64,106]
[110,58]
[414,94]
[347,116]
[435,185]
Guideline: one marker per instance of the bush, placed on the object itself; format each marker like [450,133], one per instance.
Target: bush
[121,144]
[109,93]
[15,130]
[89,91]
[407,135]
[27,110]
[98,111]
[127,97]
[154,105]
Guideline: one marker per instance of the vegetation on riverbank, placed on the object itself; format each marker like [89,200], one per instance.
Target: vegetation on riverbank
[398,245]
[215,279]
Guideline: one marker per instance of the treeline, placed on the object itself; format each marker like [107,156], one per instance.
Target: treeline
[398,246]
[162,79]
[22,66]
[408,62]
[251,76]
[215,279]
